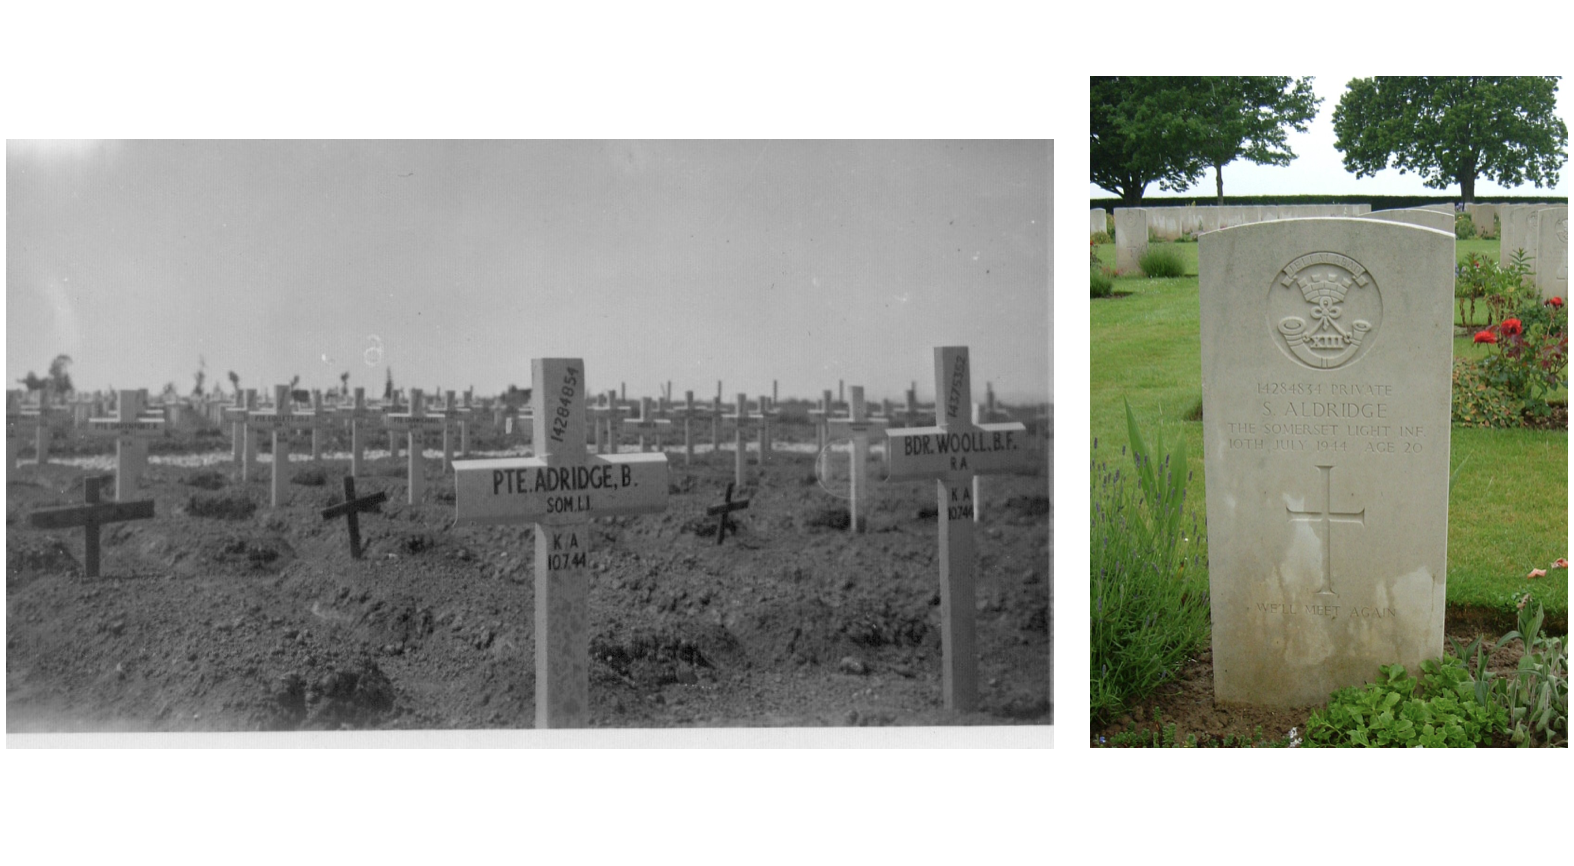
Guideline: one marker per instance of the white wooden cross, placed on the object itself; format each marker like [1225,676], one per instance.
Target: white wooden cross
[560,490]
[245,439]
[360,417]
[414,423]
[279,421]
[321,416]
[648,423]
[715,421]
[819,415]
[741,420]
[952,453]
[614,421]
[127,426]
[43,421]
[16,425]
[688,414]
[857,426]
[454,417]
[768,413]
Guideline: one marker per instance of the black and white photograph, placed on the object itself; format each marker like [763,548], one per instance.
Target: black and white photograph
[391,435]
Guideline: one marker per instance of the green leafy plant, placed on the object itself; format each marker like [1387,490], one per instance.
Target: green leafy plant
[1536,695]
[1148,599]
[1161,261]
[1476,402]
[1464,227]
[1479,278]
[1101,238]
[1390,713]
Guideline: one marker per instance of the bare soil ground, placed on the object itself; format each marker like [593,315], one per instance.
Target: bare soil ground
[222,614]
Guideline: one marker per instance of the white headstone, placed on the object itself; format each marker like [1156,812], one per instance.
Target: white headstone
[1552,251]
[1326,359]
[1131,239]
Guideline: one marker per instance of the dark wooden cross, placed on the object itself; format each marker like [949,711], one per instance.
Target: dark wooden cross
[725,510]
[351,509]
[92,517]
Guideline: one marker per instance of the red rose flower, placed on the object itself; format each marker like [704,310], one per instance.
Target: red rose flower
[1486,337]
[1511,327]
[1554,302]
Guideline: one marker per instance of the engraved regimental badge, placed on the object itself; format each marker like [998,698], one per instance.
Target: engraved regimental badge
[1324,310]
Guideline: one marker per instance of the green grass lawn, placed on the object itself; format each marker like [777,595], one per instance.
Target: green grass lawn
[1508,508]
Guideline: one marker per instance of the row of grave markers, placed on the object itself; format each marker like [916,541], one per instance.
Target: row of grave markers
[564,486]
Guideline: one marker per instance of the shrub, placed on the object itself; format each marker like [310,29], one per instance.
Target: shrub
[1162,262]
[1109,223]
[1101,238]
[1148,600]
[1464,227]
[1500,286]
[1103,282]
[1476,402]
[1529,355]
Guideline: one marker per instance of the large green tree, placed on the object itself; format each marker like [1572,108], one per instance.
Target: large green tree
[1139,135]
[1453,129]
[1247,117]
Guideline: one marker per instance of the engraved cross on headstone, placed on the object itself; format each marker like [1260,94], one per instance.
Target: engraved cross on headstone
[1327,517]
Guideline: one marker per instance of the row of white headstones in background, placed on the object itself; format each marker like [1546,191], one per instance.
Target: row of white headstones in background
[1540,231]
[563,486]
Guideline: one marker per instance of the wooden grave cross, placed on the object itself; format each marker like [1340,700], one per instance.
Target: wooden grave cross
[245,438]
[454,417]
[768,413]
[649,423]
[820,415]
[614,421]
[560,490]
[857,426]
[126,427]
[351,508]
[725,511]
[321,417]
[43,421]
[279,421]
[952,453]
[414,423]
[91,517]
[688,414]
[741,421]
[359,416]
[16,424]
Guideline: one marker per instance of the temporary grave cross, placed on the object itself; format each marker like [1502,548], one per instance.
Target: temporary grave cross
[279,421]
[359,416]
[647,423]
[768,413]
[857,426]
[126,427]
[819,415]
[725,510]
[414,423]
[319,421]
[16,424]
[43,422]
[245,436]
[454,417]
[351,508]
[688,413]
[91,517]
[560,490]
[741,420]
[952,453]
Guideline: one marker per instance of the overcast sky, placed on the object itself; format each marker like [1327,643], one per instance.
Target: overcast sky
[1319,167]
[455,263]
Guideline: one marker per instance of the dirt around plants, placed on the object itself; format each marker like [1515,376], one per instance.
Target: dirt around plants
[222,614]
[1188,704]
